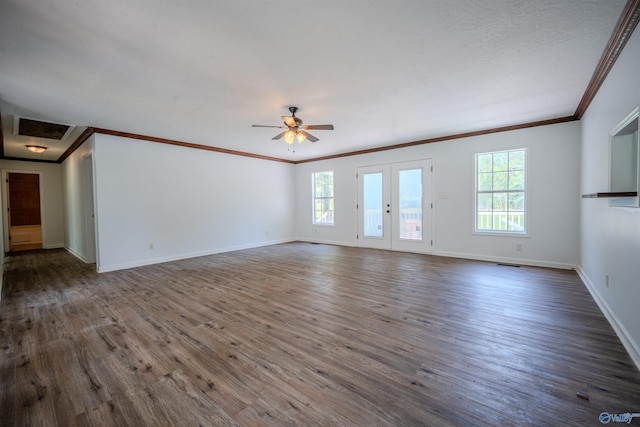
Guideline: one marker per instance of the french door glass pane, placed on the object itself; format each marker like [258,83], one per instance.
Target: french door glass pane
[410,204]
[373,204]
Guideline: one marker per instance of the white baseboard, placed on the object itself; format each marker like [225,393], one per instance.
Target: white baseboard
[505,260]
[488,258]
[627,340]
[325,242]
[149,261]
[53,246]
[76,254]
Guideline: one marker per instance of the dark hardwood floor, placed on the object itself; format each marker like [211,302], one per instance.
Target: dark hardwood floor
[303,334]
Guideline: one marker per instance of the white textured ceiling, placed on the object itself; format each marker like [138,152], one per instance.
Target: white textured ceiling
[383,72]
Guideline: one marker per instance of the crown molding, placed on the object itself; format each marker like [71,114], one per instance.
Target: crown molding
[447,138]
[622,32]
[186,144]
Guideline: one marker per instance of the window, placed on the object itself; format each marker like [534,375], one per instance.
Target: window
[323,197]
[501,192]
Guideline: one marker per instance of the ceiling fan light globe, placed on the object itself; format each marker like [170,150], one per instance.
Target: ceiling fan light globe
[300,137]
[289,136]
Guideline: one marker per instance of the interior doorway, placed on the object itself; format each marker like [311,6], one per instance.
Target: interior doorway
[394,206]
[24,211]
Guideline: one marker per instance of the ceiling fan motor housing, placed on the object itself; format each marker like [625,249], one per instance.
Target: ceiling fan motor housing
[295,129]
[293,110]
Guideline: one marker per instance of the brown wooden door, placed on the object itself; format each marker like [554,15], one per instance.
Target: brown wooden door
[25,224]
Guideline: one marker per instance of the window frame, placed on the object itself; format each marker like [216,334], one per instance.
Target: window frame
[315,198]
[525,190]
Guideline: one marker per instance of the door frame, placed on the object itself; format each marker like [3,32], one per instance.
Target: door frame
[5,205]
[390,241]
[88,183]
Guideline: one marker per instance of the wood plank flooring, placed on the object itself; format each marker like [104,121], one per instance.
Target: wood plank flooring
[304,334]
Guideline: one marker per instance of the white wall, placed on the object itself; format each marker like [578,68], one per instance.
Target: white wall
[185,202]
[554,170]
[51,198]
[74,201]
[610,237]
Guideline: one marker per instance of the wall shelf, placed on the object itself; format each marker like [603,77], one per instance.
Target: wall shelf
[610,194]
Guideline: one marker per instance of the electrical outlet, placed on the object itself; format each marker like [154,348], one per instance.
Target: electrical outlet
[519,247]
[606,280]
[151,246]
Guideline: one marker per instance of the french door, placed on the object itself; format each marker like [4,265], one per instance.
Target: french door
[394,206]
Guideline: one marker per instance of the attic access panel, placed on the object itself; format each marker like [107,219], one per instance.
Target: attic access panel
[38,129]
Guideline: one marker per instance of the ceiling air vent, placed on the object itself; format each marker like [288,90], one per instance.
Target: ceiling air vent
[38,129]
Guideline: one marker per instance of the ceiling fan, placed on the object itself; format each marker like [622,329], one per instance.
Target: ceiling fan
[295,129]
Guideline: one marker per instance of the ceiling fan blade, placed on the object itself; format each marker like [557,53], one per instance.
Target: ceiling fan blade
[318,127]
[309,136]
[290,121]
[268,126]
[280,135]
